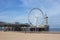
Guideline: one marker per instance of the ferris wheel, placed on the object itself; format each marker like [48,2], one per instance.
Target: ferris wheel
[36,17]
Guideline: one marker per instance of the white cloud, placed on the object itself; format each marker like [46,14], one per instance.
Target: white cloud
[3,17]
[21,18]
[52,7]
[55,9]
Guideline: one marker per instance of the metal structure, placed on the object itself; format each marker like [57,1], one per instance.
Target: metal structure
[35,15]
[38,20]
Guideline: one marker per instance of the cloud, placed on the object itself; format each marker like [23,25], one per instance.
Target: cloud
[51,7]
[54,10]
[30,3]
[3,17]
[21,18]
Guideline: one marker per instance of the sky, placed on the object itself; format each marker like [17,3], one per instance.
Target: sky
[17,10]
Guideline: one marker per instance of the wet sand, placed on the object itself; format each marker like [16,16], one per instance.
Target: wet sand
[29,36]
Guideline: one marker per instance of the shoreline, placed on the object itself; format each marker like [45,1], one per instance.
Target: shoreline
[42,32]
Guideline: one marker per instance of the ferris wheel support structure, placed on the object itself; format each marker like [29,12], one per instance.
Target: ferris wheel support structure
[44,22]
[36,18]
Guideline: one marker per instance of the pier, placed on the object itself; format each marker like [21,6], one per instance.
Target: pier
[21,27]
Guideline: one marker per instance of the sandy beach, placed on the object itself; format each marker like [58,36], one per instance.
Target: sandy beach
[28,36]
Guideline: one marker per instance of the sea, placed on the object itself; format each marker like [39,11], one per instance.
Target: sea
[54,29]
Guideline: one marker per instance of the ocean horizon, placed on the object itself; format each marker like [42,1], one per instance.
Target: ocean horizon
[54,29]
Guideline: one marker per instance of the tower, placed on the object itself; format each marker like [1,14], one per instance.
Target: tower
[46,19]
[46,22]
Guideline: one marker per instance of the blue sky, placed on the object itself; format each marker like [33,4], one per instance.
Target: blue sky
[17,10]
